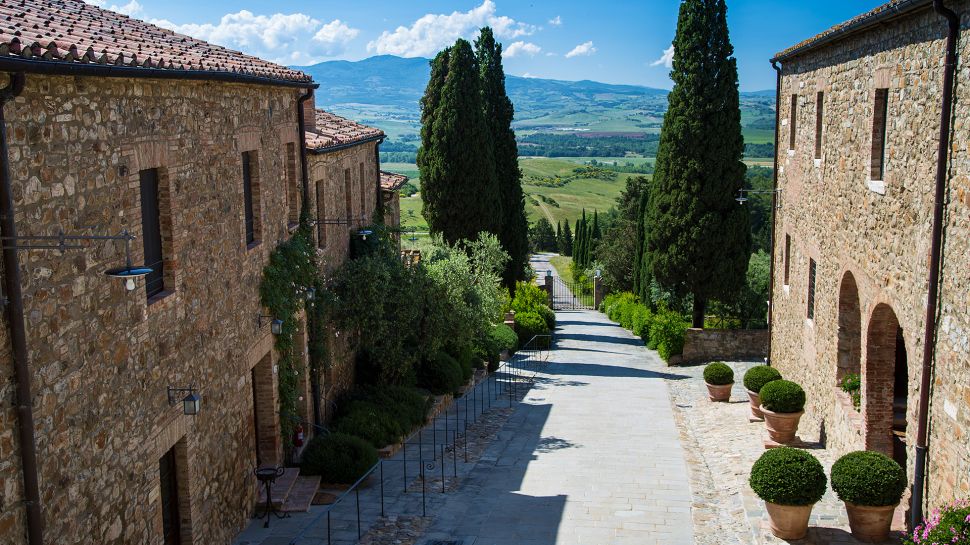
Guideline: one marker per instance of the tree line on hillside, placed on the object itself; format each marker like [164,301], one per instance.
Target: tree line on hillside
[468,160]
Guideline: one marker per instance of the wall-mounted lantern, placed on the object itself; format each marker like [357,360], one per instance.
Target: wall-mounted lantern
[741,198]
[191,403]
[275,324]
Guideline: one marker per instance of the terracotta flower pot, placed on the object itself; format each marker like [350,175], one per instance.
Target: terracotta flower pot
[788,521]
[719,392]
[781,426]
[755,401]
[868,523]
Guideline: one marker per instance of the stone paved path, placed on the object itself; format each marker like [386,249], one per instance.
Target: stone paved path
[591,455]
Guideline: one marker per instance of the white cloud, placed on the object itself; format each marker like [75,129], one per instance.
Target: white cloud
[584,49]
[293,38]
[520,48]
[433,32]
[555,21]
[667,59]
[130,9]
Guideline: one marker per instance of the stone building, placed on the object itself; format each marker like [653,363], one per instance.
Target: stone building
[195,150]
[860,114]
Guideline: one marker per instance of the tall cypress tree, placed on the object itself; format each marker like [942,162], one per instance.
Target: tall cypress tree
[513,231]
[567,239]
[697,236]
[458,183]
[559,240]
[594,236]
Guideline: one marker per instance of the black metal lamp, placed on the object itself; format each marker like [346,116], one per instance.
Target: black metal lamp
[191,403]
[363,233]
[275,324]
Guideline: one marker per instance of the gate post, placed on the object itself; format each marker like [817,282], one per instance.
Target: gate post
[598,291]
[548,286]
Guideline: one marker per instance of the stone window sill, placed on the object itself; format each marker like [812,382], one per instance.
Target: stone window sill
[791,153]
[810,323]
[254,244]
[818,163]
[877,186]
[787,289]
[161,300]
[292,226]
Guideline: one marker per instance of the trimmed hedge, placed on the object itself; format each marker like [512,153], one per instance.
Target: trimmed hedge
[528,325]
[759,375]
[663,330]
[548,315]
[868,478]
[788,476]
[782,396]
[440,374]
[381,415]
[718,373]
[371,423]
[338,458]
[504,338]
[668,331]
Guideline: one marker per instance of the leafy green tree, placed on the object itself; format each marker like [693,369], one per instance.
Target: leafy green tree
[698,239]
[542,237]
[514,227]
[617,250]
[459,188]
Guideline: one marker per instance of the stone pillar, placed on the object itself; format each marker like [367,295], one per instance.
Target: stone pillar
[599,292]
[548,285]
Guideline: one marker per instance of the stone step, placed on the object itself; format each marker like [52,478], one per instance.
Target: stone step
[301,494]
[281,488]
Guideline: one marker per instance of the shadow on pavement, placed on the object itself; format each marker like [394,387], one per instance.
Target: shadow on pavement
[598,370]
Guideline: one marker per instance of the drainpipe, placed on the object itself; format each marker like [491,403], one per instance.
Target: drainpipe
[301,127]
[936,250]
[18,335]
[774,208]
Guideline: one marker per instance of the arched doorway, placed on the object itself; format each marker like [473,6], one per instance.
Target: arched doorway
[850,329]
[884,385]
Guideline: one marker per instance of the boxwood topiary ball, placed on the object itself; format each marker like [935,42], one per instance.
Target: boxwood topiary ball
[718,373]
[758,376]
[868,478]
[788,476]
[782,396]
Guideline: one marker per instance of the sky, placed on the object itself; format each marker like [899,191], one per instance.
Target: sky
[612,41]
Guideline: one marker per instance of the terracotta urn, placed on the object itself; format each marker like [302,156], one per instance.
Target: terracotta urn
[755,401]
[719,392]
[868,523]
[781,426]
[788,521]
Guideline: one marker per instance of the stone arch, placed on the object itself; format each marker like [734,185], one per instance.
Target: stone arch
[849,352]
[879,376]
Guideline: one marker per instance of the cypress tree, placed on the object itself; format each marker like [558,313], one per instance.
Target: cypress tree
[567,238]
[594,236]
[697,236]
[513,230]
[458,183]
[559,240]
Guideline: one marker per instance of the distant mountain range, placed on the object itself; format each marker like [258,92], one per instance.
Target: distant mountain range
[385,90]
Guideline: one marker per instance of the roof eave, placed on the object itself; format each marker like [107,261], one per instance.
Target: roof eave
[48,67]
[345,145]
[904,7]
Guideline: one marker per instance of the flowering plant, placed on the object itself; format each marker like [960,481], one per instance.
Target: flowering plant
[947,526]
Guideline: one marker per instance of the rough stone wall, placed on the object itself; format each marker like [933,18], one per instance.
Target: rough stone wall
[702,345]
[392,212]
[343,188]
[101,357]
[879,233]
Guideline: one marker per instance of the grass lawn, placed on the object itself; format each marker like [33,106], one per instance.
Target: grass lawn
[563,265]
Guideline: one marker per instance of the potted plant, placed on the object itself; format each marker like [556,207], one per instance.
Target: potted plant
[754,380]
[790,481]
[719,378]
[782,404]
[871,485]
[949,524]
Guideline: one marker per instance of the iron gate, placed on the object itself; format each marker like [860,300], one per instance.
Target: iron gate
[571,295]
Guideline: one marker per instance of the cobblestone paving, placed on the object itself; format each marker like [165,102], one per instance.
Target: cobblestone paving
[721,447]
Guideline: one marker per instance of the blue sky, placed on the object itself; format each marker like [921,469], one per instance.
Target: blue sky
[614,41]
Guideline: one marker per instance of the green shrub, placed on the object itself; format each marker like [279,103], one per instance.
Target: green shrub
[868,478]
[759,375]
[782,396]
[528,325]
[788,476]
[528,297]
[338,458]
[640,321]
[371,422]
[504,338]
[718,373]
[465,356]
[407,405]
[947,525]
[548,315]
[667,331]
[852,385]
[440,374]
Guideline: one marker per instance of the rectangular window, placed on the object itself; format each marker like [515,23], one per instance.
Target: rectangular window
[879,111]
[791,126]
[811,289]
[248,197]
[151,224]
[363,192]
[171,524]
[348,193]
[787,256]
[818,125]
[292,193]
[321,215]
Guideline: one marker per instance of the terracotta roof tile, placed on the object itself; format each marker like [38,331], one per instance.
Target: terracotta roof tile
[333,130]
[75,32]
[391,181]
[894,7]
